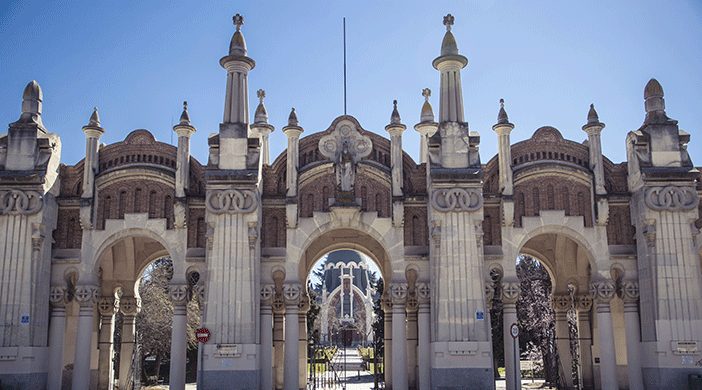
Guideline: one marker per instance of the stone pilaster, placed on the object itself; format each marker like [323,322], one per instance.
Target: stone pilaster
[603,291]
[398,296]
[629,293]
[583,305]
[179,334]
[423,335]
[292,131]
[291,294]
[562,303]
[129,307]
[266,360]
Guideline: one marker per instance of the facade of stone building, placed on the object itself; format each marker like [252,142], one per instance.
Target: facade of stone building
[624,236]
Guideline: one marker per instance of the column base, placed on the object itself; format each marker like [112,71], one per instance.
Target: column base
[230,366]
[462,365]
[24,367]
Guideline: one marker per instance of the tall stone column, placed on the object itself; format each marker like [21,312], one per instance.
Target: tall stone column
[93,131]
[386,303]
[603,291]
[630,296]
[303,307]
[267,293]
[291,293]
[398,294]
[129,307]
[503,128]
[262,128]
[107,307]
[510,295]
[424,337]
[412,308]
[57,330]
[86,297]
[584,307]
[184,130]
[561,304]
[179,335]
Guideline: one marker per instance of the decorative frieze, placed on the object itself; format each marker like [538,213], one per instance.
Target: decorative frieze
[20,202]
[583,303]
[629,291]
[231,201]
[108,306]
[457,199]
[562,302]
[398,293]
[57,297]
[671,198]
[267,294]
[291,294]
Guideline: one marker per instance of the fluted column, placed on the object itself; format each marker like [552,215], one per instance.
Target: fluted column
[85,296]
[57,330]
[584,307]
[398,294]
[630,296]
[129,307]
[179,335]
[510,295]
[266,362]
[603,292]
[423,336]
[107,307]
[291,293]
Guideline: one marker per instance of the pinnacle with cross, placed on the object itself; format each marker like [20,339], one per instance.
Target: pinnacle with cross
[238,21]
[426,92]
[185,105]
[261,94]
[448,21]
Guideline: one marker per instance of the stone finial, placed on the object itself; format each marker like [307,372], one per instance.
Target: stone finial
[261,115]
[94,120]
[237,47]
[593,120]
[427,114]
[238,21]
[654,103]
[395,116]
[292,119]
[185,117]
[31,104]
[448,21]
[502,115]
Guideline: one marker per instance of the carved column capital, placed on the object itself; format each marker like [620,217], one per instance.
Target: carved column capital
[423,292]
[304,305]
[267,294]
[291,294]
[86,295]
[562,302]
[583,303]
[129,306]
[489,294]
[629,292]
[57,297]
[178,294]
[602,291]
[398,293]
[510,292]
[198,291]
[386,302]
[108,306]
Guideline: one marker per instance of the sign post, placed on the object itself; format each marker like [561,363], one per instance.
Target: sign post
[514,332]
[202,335]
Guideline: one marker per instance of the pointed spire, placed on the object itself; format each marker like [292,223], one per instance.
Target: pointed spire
[502,115]
[261,115]
[449,45]
[94,120]
[185,117]
[238,44]
[395,116]
[427,114]
[593,119]
[292,119]
[653,89]
[31,104]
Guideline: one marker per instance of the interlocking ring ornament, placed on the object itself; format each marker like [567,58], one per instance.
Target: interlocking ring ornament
[671,198]
[457,199]
[231,201]
[20,202]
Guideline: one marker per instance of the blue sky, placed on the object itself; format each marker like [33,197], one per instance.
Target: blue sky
[138,60]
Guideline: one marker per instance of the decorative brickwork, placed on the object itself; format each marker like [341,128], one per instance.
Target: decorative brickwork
[135,196]
[416,226]
[197,228]
[556,192]
[68,233]
[492,227]
[273,231]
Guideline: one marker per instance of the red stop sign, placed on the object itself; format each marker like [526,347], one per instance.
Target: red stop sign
[202,335]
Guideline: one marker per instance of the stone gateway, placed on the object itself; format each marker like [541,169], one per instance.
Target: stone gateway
[620,242]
